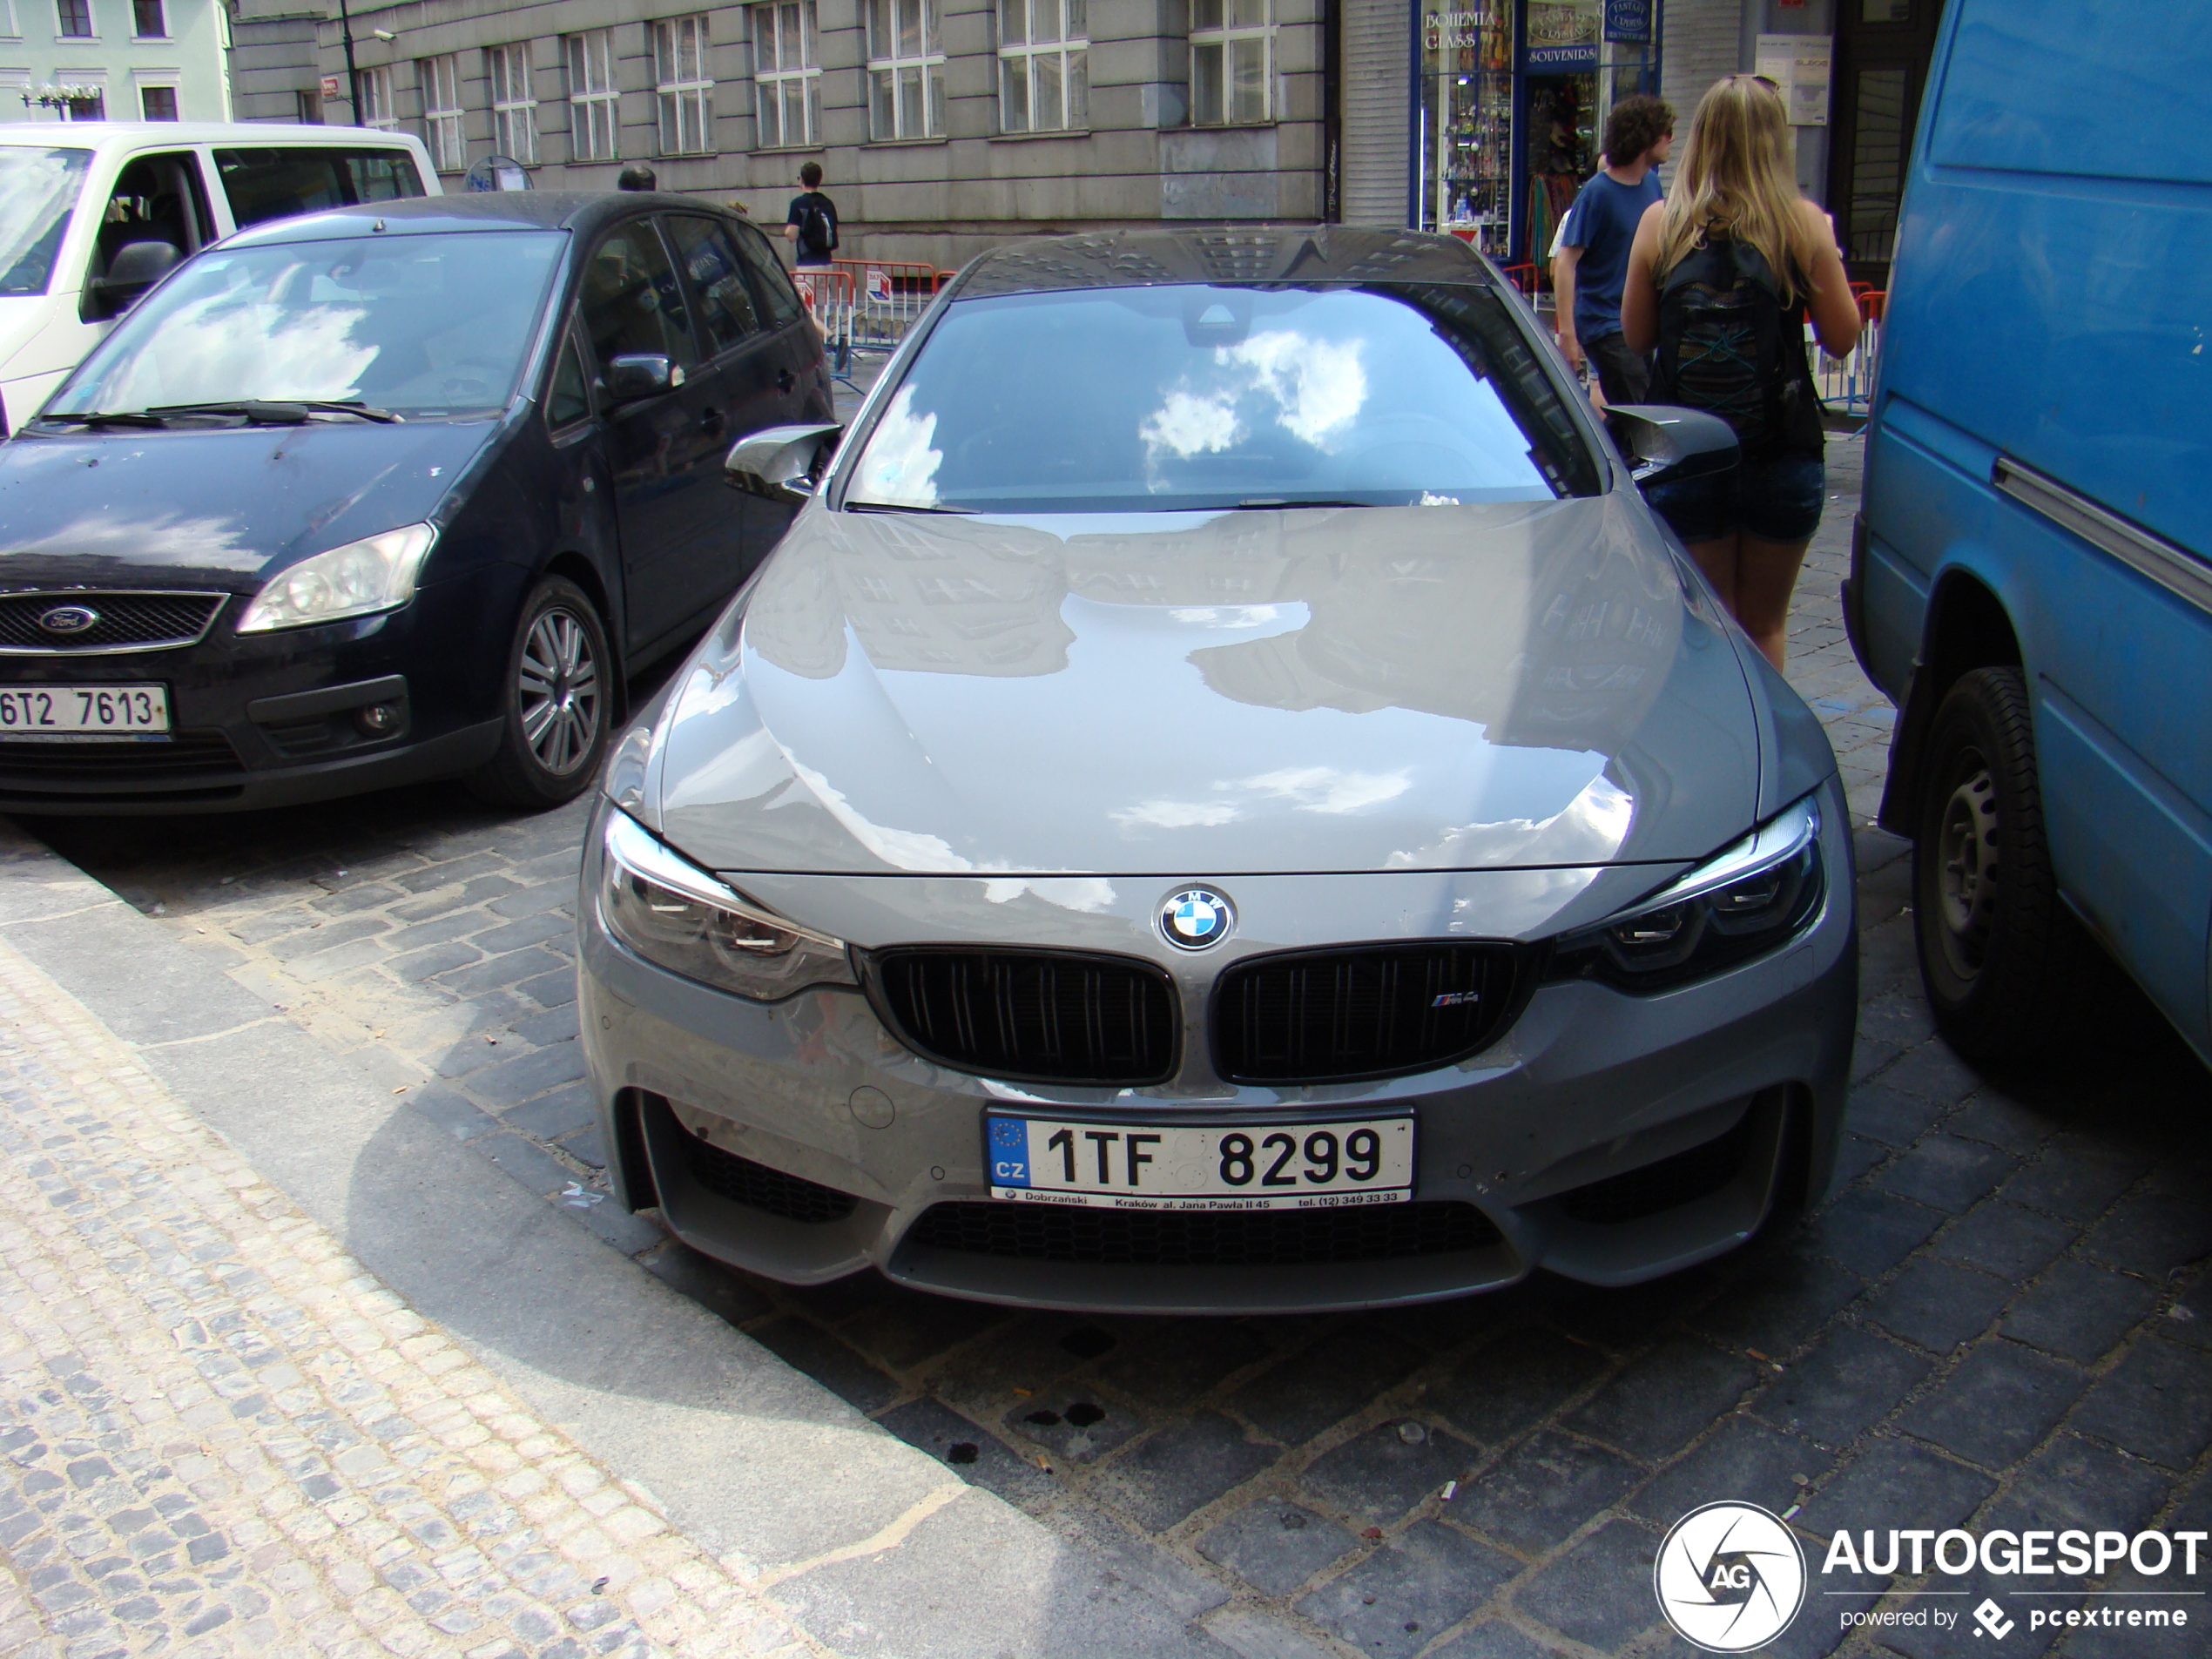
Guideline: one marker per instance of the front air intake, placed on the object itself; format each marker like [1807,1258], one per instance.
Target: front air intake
[1031,1015]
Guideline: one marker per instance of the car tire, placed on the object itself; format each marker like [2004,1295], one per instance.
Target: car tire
[555,702]
[2005,964]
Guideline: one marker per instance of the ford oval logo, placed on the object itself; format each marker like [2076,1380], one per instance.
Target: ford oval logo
[1195,918]
[68,619]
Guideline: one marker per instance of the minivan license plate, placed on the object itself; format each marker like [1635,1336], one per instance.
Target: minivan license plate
[1200,1166]
[83,711]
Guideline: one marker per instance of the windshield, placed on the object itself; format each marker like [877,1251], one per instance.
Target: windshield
[427,324]
[1182,398]
[38,190]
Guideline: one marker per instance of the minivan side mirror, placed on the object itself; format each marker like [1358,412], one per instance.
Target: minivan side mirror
[784,463]
[637,375]
[135,267]
[1665,443]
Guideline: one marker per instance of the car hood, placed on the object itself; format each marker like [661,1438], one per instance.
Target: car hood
[1482,687]
[218,508]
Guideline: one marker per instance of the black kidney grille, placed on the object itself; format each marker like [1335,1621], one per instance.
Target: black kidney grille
[127,620]
[1039,1232]
[186,752]
[1368,1011]
[1035,1016]
[758,1187]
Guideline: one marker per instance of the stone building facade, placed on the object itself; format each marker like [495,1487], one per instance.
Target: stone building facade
[114,60]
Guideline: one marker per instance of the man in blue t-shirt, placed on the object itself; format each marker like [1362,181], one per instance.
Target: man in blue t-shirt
[1590,259]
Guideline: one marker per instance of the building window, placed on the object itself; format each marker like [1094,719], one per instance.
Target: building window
[158,102]
[439,78]
[594,106]
[680,81]
[1044,68]
[906,71]
[1232,62]
[76,16]
[787,79]
[148,20]
[306,104]
[378,109]
[514,111]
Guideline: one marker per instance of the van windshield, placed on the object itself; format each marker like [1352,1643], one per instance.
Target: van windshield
[435,324]
[38,189]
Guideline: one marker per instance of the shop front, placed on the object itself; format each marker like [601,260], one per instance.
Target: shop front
[1511,101]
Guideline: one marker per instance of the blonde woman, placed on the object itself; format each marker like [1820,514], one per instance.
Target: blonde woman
[1722,276]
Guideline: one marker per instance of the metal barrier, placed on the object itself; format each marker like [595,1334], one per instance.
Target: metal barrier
[828,294]
[1847,382]
[888,297]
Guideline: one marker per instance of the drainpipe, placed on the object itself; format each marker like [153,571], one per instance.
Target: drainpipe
[353,74]
[1332,112]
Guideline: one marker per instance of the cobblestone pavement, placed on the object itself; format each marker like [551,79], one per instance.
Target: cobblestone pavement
[1999,1314]
[224,1437]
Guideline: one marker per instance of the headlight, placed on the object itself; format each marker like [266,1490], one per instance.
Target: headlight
[673,913]
[1735,905]
[373,574]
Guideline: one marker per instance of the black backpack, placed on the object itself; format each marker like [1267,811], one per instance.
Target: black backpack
[1729,344]
[817,233]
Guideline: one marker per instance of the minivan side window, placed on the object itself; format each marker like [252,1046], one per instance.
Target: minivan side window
[632,303]
[725,306]
[566,400]
[277,184]
[769,280]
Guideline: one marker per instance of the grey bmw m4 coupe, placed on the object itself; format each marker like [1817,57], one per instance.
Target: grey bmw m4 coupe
[1224,798]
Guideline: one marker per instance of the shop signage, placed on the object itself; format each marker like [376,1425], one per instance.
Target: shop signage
[1562,34]
[1456,30]
[1627,20]
[1802,66]
[330,87]
[1569,58]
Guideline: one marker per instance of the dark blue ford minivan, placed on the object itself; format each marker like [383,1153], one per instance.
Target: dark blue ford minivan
[2030,579]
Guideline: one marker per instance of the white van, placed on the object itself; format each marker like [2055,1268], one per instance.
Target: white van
[73,196]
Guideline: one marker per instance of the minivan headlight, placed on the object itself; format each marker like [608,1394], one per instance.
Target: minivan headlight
[1734,906]
[678,916]
[373,574]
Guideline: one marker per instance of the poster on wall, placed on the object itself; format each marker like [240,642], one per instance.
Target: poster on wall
[1801,65]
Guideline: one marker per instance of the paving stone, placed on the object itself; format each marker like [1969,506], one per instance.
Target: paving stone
[461,1119]
[1855,1155]
[553,1025]
[531,901]
[369,895]
[589,1147]
[483,889]
[1849,1382]
[517,968]
[431,960]
[529,930]
[1998,1401]
[1178,1471]
[552,1117]
[452,871]
[527,1162]
[1890,1115]
[1892,1478]
[2006,1240]
[529,1074]
[438,930]
[1277,1545]
[1543,1490]
[1939,1303]
[1663,1400]
[1934,1073]
[1168,1363]
[2152,1233]
[1782,1299]
[2155,1403]
[1745,1459]
[805,1346]
[1381,1476]
[1071,1426]
[1870,1232]
[1946,1171]
[1997,1118]
[975,1454]
[2077,1176]
[1296,1399]
[2080,1310]
[902,1327]
[1396,1601]
[1495,1639]
[2072,1482]
[1503,1387]
[1599,1592]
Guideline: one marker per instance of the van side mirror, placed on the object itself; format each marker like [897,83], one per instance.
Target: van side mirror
[135,267]
[1665,443]
[638,375]
[784,463]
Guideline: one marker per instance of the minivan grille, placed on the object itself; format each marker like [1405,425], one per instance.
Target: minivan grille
[1041,1232]
[186,752]
[1362,1011]
[125,621]
[1033,1016]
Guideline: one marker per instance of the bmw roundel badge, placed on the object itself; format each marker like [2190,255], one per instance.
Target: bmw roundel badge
[1195,918]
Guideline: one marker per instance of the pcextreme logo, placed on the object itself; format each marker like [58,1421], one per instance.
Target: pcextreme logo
[1730,1577]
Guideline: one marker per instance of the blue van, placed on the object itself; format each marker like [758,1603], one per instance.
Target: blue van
[2029,577]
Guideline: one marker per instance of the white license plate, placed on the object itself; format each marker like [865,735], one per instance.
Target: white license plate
[83,711]
[1200,1166]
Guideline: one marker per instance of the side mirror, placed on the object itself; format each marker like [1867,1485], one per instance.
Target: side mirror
[1662,443]
[784,463]
[642,374]
[135,267]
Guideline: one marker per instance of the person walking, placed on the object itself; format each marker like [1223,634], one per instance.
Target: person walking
[811,225]
[1721,277]
[1590,259]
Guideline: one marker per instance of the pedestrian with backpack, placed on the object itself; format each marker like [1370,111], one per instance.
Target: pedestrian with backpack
[1722,278]
[811,226]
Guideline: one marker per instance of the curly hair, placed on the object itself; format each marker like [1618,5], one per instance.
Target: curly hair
[1635,125]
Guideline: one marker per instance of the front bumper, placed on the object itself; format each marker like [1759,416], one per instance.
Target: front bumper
[1715,1100]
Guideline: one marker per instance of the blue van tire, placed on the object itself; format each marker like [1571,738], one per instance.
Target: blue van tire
[2002,958]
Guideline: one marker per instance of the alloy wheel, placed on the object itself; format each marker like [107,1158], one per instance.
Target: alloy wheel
[558,692]
[1967,870]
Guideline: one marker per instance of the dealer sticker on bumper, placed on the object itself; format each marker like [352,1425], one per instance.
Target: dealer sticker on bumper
[1212,1166]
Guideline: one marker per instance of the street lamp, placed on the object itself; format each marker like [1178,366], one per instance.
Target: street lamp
[353,74]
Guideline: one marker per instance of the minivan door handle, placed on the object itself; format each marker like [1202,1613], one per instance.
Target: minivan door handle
[785,380]
[711,422]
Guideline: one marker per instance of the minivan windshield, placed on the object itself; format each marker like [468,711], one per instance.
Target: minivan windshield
[1206,396]
[434,324]
[38,190]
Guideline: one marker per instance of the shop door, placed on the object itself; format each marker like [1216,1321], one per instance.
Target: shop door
[1882,51]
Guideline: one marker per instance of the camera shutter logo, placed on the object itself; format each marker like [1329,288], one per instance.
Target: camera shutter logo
[1730,1577]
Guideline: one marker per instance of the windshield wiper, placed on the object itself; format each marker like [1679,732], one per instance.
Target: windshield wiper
[101,417]
[1258,501]
[903,507]
[287,411]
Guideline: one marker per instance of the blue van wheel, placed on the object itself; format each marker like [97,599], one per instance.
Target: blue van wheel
[2002,957]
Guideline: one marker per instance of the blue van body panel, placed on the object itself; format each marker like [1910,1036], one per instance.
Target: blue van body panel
[2048,306]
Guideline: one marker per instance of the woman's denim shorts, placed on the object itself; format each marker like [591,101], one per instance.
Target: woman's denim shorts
[1777,501]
